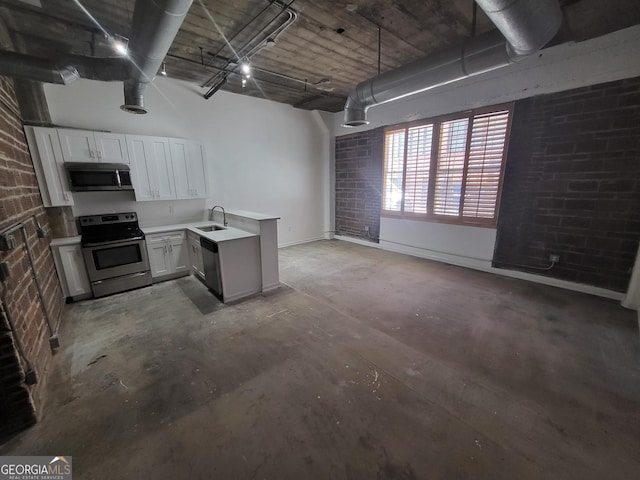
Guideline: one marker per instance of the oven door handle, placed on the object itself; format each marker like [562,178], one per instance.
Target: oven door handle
[133,275]
[117,242]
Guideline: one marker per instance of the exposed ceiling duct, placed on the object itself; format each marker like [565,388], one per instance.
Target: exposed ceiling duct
[17,65]
[154,26]
[527,26]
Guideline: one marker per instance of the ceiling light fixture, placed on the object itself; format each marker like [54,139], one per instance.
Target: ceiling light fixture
[163,71]
[244,82]
[245,67]
[119,44]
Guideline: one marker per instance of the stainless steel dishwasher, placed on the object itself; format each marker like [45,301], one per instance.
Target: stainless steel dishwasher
[211,261]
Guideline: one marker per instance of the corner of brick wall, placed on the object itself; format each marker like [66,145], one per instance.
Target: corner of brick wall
[19,199]
[358,171]
[572,185]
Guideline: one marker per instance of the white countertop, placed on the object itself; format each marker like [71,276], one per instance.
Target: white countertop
[62,241]
[252,215]
[229,233]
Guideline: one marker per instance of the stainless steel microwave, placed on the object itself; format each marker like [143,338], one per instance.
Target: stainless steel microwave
[90,177]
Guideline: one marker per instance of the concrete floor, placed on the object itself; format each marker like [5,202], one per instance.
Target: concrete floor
[365,365]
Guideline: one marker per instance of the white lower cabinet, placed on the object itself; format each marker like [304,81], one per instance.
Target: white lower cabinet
[195,254]
[71,270]
[168,254]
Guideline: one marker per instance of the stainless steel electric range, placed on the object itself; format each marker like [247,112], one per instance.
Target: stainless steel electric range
[115,253]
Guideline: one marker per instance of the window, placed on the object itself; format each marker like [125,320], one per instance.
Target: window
[447,169]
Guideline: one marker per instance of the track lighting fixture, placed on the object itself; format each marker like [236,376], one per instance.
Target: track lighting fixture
[119,44]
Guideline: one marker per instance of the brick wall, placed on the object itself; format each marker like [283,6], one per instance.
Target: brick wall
[572,185]
[20,198]
[359,165]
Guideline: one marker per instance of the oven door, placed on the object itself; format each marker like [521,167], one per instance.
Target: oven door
[115,259]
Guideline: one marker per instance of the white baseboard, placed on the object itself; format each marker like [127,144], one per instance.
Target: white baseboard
[359,241]
[268,288]
[485,266]
[300,242]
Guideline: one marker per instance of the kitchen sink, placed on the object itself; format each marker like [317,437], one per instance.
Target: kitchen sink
[211,228]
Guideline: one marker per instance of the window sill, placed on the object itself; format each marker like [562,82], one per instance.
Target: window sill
[437,219]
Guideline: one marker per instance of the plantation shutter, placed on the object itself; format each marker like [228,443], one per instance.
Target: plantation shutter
[416,189]
[393,170]
[450,166]
[486,153]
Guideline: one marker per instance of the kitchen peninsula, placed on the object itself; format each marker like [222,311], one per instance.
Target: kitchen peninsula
[234,261]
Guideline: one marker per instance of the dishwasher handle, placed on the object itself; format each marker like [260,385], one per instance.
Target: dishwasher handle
[208,244]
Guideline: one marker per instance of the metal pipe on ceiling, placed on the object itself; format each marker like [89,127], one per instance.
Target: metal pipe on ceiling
[154,26]
[244,53]
[18,65]
[527,25]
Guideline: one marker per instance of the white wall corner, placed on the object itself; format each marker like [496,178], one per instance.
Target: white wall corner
[325,123]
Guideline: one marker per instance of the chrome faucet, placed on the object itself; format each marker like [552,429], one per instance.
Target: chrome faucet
[224,214]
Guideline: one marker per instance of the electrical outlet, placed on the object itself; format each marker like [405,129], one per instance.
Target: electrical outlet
[366,228]
[7,242]
[554,258]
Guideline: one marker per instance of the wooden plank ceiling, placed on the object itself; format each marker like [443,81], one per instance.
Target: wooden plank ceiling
[329,46]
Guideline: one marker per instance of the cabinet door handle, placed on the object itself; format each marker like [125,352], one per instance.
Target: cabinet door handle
[193,247]
[165,249]
[171,248]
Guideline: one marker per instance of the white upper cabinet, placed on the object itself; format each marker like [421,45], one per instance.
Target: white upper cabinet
[139,171]
[189,168]
[152,173]
[161,168]
[161,158]
[86,146]
[77,145]
[111,147]
[46,153]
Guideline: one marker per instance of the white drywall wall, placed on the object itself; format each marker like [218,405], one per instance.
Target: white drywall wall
[262,156]
[607,58]
[457,244]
